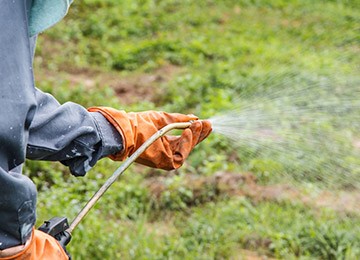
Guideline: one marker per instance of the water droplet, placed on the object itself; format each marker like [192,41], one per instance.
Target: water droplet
[303,131]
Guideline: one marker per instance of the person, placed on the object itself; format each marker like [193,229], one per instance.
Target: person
[35,126]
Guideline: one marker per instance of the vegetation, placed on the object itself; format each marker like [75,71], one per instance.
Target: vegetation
[199,57]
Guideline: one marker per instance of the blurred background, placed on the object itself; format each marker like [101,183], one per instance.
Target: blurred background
[280,176]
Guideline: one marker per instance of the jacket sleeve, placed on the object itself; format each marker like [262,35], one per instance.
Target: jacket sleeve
[70,134]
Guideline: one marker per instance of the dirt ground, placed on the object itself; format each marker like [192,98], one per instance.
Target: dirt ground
[234,184]
[130,89]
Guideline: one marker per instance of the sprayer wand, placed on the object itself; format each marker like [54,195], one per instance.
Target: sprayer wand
[121,170]
[59,228]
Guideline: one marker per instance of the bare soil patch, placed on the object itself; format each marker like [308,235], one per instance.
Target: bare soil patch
[129,89]
[244,254]
[206,188]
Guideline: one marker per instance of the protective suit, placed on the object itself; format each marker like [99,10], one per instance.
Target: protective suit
[35,126]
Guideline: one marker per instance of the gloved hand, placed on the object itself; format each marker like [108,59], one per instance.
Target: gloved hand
[41,246]
[168,152]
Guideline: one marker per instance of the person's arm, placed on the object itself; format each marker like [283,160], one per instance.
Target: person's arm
[79,138]
[70,134]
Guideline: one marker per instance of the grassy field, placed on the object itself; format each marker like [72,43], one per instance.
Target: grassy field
[201,57]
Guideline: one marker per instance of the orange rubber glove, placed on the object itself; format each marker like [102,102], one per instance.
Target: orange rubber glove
[41,246]
[168,152]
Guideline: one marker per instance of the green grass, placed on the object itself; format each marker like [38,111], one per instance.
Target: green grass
[222,50]
[129,223]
